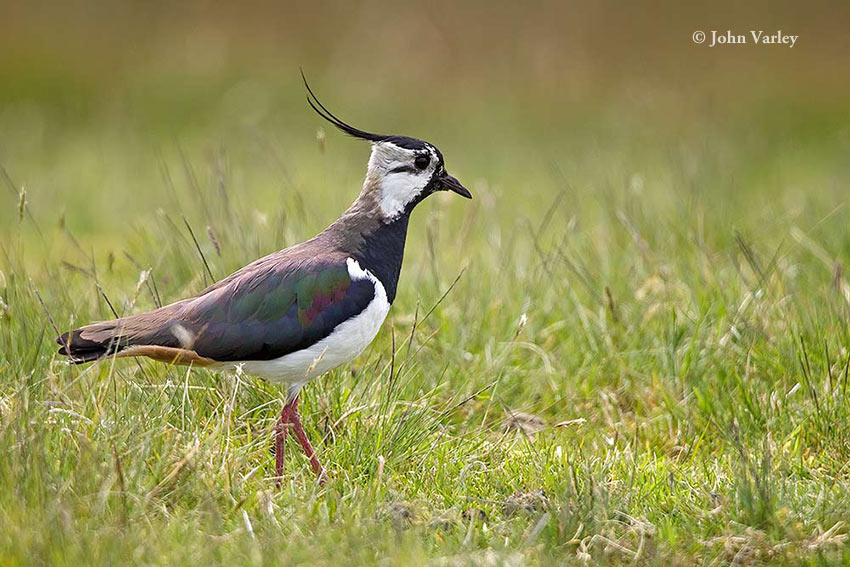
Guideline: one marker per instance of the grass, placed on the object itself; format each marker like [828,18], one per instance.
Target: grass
[630,348]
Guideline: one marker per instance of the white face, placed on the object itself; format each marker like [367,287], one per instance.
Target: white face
[400,175]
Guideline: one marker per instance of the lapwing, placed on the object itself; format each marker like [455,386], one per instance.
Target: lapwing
[293,315]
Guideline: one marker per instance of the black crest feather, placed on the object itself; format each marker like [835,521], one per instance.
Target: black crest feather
[322,111]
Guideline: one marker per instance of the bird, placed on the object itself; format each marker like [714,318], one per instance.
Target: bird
[293,315]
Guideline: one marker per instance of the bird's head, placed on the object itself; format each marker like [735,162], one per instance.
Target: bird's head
[402,171]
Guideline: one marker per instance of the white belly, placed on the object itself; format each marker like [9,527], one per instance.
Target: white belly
[347,341]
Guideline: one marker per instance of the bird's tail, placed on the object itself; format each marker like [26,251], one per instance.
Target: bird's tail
[92,342]
[106,338]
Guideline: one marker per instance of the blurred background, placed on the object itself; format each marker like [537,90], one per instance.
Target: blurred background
[123,122]
[92,94]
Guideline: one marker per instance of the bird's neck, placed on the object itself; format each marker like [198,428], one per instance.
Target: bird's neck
[376,244]
[382,251]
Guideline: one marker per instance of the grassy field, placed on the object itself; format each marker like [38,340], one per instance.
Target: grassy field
[630,348]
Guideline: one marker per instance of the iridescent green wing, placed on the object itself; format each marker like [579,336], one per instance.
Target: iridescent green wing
[274,310]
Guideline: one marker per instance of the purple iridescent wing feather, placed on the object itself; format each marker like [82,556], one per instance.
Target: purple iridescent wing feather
[275,312]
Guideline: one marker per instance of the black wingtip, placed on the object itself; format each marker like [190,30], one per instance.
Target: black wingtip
[64,340]
[80,350]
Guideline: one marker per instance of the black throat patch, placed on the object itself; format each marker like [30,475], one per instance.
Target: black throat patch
[382,251]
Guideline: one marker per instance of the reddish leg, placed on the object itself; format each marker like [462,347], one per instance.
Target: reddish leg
[290,418]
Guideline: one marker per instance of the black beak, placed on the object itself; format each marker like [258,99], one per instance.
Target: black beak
[450,183]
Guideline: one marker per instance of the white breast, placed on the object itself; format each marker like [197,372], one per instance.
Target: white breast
[347,341]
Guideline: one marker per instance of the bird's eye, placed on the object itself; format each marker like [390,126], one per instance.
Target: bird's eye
[422,161]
